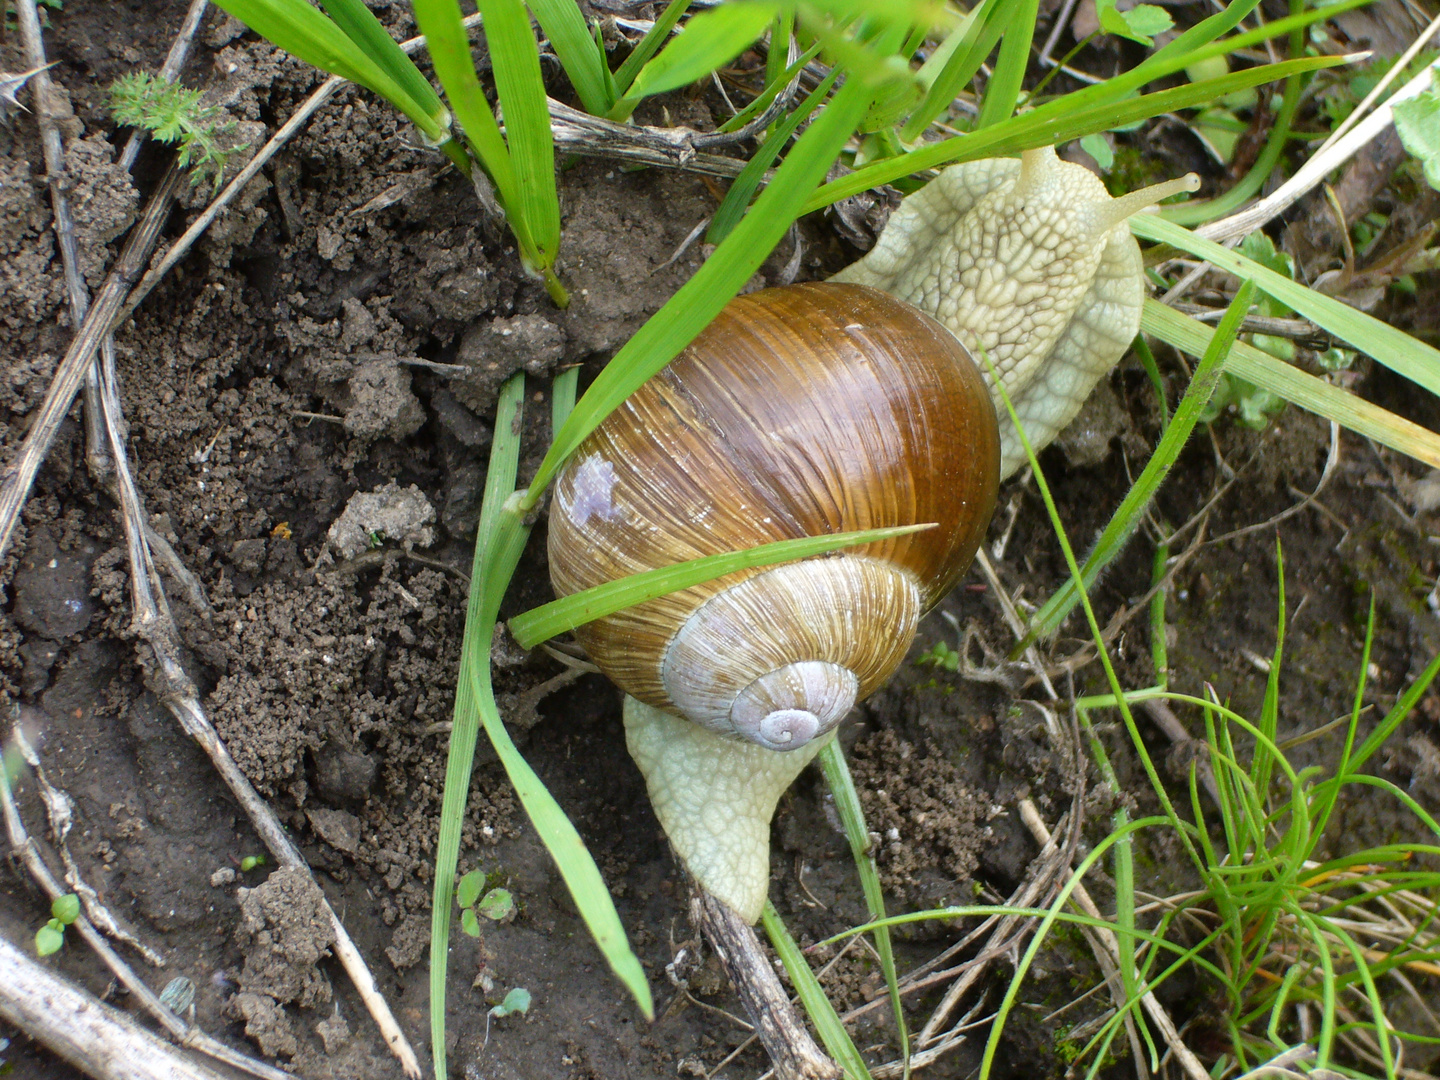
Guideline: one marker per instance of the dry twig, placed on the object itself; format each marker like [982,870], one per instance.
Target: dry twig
[25,848]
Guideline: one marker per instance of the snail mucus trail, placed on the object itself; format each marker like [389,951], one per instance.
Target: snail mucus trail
[825,408]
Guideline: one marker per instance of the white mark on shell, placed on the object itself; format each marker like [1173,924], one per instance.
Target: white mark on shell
[593,491]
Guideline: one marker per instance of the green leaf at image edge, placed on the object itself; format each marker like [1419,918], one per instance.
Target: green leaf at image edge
[1417,122]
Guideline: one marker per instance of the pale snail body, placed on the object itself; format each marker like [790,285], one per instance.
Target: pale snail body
[1032,262]
[819,409]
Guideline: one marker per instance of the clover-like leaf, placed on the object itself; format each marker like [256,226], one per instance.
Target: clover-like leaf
[1418,123]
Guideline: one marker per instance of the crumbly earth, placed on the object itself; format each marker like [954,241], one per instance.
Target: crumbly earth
[306,351]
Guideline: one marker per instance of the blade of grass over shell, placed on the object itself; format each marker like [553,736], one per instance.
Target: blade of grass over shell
[362,27]
[500,539]
[516,61]
[742,188]
[582,59]
[647,46]
[852,816]
[1132,508]
[305,32]
[1057,121]
[699,300]
[1003,90]
[710,40]
[978,34]
[577,609]
[817,1006]
[1397,350]
[1296,386]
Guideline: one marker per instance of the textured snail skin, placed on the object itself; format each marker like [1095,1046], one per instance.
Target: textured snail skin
[714,798]
[1030,261]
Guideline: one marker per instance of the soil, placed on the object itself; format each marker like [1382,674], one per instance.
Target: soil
[302,438]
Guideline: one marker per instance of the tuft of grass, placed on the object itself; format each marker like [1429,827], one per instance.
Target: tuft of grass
[175,115]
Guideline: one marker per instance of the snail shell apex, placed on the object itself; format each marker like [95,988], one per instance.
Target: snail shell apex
[800,411]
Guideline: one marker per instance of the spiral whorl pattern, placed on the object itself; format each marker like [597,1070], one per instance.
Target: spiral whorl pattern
[786,708]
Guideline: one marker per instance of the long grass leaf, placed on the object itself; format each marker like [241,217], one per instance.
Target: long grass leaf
[1262,760]
[710,40]
[516,60]
[439,21]
[582,59]
[653,39]
[973,40]
[1003,90]
[1055,122]
[852,816]
[698,301]
[1131,511]
[362,27]
[558,616]
[1397,350]
[737,199]
[817,1006]
[474,649]
[305,32]
[1252,364]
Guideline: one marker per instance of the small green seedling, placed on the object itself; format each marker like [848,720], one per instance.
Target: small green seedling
[50,938]
[173,114]
[250,862]
[497,905]
[516,1001]
[940,656]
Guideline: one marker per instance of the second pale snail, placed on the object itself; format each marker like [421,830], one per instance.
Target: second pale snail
[820,409]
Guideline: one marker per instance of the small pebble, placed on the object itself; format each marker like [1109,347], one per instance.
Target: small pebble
[224,876]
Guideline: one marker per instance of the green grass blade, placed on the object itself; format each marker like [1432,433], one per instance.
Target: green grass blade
[1261,762]
[977,36]
[1056,122]
[1132,509]
[581,58]
[573,860]
[852,816]
[305,32]
[471,693]
[362,27]
[500,540]
[516,59]
[822,1014]
[1346,409]
[1397,350]
[772,90]
[1197,212]
[1005,84]
[562,398]
[1324,795]
[577,609]
[710,40]
[439,21]
[698,301]
[653,39]
[732,209]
